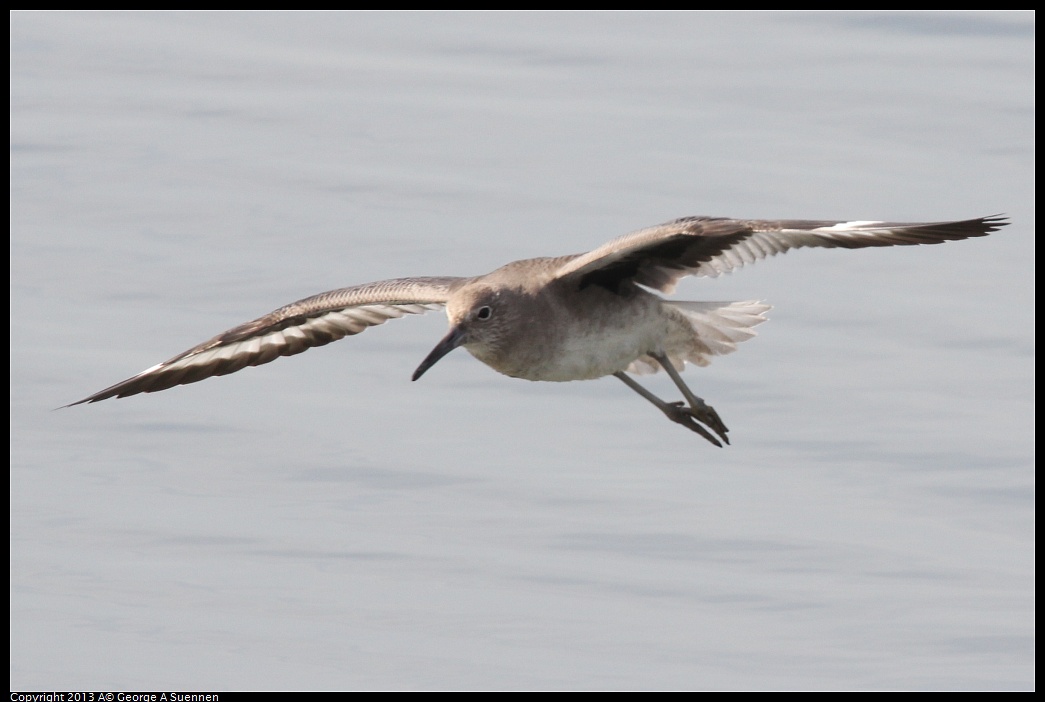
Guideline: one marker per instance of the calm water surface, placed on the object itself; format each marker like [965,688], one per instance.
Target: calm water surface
[324,523]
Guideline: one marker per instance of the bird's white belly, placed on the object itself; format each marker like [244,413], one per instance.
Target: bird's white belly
[585,358]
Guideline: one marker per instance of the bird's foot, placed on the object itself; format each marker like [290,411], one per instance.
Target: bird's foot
[689,416]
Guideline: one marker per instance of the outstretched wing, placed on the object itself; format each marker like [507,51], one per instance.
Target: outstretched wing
[659,256]
[293,328]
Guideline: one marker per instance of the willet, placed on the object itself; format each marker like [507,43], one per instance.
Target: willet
[574,317]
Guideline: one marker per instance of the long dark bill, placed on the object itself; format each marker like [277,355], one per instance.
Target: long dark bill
[450,342]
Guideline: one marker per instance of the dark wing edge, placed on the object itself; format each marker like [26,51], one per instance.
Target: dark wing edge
[658,257]
[291,329]
[768,238]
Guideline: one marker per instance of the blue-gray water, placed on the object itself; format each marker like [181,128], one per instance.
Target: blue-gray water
[324,523]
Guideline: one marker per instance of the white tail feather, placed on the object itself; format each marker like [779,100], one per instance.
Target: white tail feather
[718,328]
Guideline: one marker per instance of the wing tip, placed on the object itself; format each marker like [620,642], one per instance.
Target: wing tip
[103,395]
[992,223]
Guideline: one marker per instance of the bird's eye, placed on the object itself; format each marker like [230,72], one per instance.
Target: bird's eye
[484,312]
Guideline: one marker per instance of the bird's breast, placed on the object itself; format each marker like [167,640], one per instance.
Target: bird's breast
[599,334]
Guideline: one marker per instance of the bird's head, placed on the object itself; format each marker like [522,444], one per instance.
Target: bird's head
[480,319]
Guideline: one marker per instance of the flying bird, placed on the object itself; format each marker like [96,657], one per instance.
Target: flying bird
[575,317]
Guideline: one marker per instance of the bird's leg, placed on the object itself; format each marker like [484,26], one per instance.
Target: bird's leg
[678,412]
[697,407]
